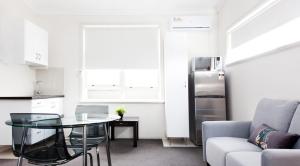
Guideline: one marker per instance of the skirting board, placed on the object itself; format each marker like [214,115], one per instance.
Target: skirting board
[6,153]
[178,143]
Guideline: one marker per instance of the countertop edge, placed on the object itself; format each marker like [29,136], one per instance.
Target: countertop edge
[30,97]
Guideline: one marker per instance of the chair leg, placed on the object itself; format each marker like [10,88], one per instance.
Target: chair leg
[23,142]
[20,161]
[98,155]
[107,145]
[108,153]
[91,159]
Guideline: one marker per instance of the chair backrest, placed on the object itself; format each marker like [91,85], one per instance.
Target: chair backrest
[56,140]
[92,111]
[295,126]
[274,113]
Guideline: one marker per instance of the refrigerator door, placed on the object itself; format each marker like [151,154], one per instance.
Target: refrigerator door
[208,84]
[206,109]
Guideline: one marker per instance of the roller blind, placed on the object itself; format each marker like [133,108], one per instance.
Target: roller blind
[121,47]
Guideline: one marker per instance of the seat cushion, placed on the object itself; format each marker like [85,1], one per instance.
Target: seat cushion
[243,159]
[282,112]
[218,147]
[295,126]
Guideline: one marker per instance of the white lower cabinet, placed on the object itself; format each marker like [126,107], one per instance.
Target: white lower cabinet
[49,105]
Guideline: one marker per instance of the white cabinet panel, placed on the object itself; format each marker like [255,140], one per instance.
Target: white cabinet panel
[56,105]
[49,105]
[176,90]
[36,103]
[35,45]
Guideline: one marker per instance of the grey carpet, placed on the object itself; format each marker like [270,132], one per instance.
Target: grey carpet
[148,153]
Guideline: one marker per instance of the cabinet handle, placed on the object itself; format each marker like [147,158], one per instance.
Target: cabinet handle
[38,56]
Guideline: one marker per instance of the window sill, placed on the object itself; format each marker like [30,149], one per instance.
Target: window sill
[88,101]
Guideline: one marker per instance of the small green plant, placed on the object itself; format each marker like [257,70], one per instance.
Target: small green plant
[121,111]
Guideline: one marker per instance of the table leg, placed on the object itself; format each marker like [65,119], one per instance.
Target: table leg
[112,132]
[135,133]
[84,145]
[107,145]
[23,142]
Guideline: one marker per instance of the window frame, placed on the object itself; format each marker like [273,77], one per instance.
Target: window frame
[261,9]
[83,90]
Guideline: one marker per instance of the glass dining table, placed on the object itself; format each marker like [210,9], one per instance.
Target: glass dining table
[69,122]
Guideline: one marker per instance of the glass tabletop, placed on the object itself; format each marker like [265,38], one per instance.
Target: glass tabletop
[68,122]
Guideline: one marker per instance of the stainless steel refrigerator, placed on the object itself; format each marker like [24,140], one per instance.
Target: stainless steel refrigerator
[207,99]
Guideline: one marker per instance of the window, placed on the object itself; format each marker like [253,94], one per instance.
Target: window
[121,63]
[264,30]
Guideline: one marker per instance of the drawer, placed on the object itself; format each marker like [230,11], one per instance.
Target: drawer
[39,103]
[36,135]
[122,123]
[52,105]
[41,109]
[56,105]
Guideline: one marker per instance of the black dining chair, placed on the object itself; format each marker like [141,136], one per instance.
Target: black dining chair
[96,134]
[50,149]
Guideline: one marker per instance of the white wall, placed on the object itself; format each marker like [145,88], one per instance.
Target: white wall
[16,80]
[65,52]
[273,76]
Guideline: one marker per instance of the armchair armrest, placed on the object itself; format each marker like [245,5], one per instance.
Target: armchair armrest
[280,157]
[223,129]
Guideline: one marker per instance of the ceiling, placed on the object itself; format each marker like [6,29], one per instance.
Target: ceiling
[124,6]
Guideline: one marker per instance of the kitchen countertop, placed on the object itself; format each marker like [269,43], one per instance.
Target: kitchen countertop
[30,97]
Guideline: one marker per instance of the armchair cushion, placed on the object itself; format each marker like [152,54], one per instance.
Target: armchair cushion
[223,129]
[295,126]
[243,159]
[282,112]
[280,157]
[218,147]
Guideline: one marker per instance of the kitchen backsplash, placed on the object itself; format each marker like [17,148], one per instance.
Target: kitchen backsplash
[50,81]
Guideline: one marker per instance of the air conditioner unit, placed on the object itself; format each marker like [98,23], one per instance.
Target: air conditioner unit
[192,22]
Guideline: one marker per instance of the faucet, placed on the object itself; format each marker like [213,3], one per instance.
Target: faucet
[38,88]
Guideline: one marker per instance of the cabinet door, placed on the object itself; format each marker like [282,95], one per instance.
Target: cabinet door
[35,45]
[30,42]
[176,90]
[40,106]
[56,106]
[42,47]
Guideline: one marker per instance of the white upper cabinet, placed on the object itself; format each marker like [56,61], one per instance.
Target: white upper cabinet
[35,45]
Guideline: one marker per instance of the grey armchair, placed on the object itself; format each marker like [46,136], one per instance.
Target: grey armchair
[225,142]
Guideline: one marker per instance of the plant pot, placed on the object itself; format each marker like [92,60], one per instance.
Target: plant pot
[121,116]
